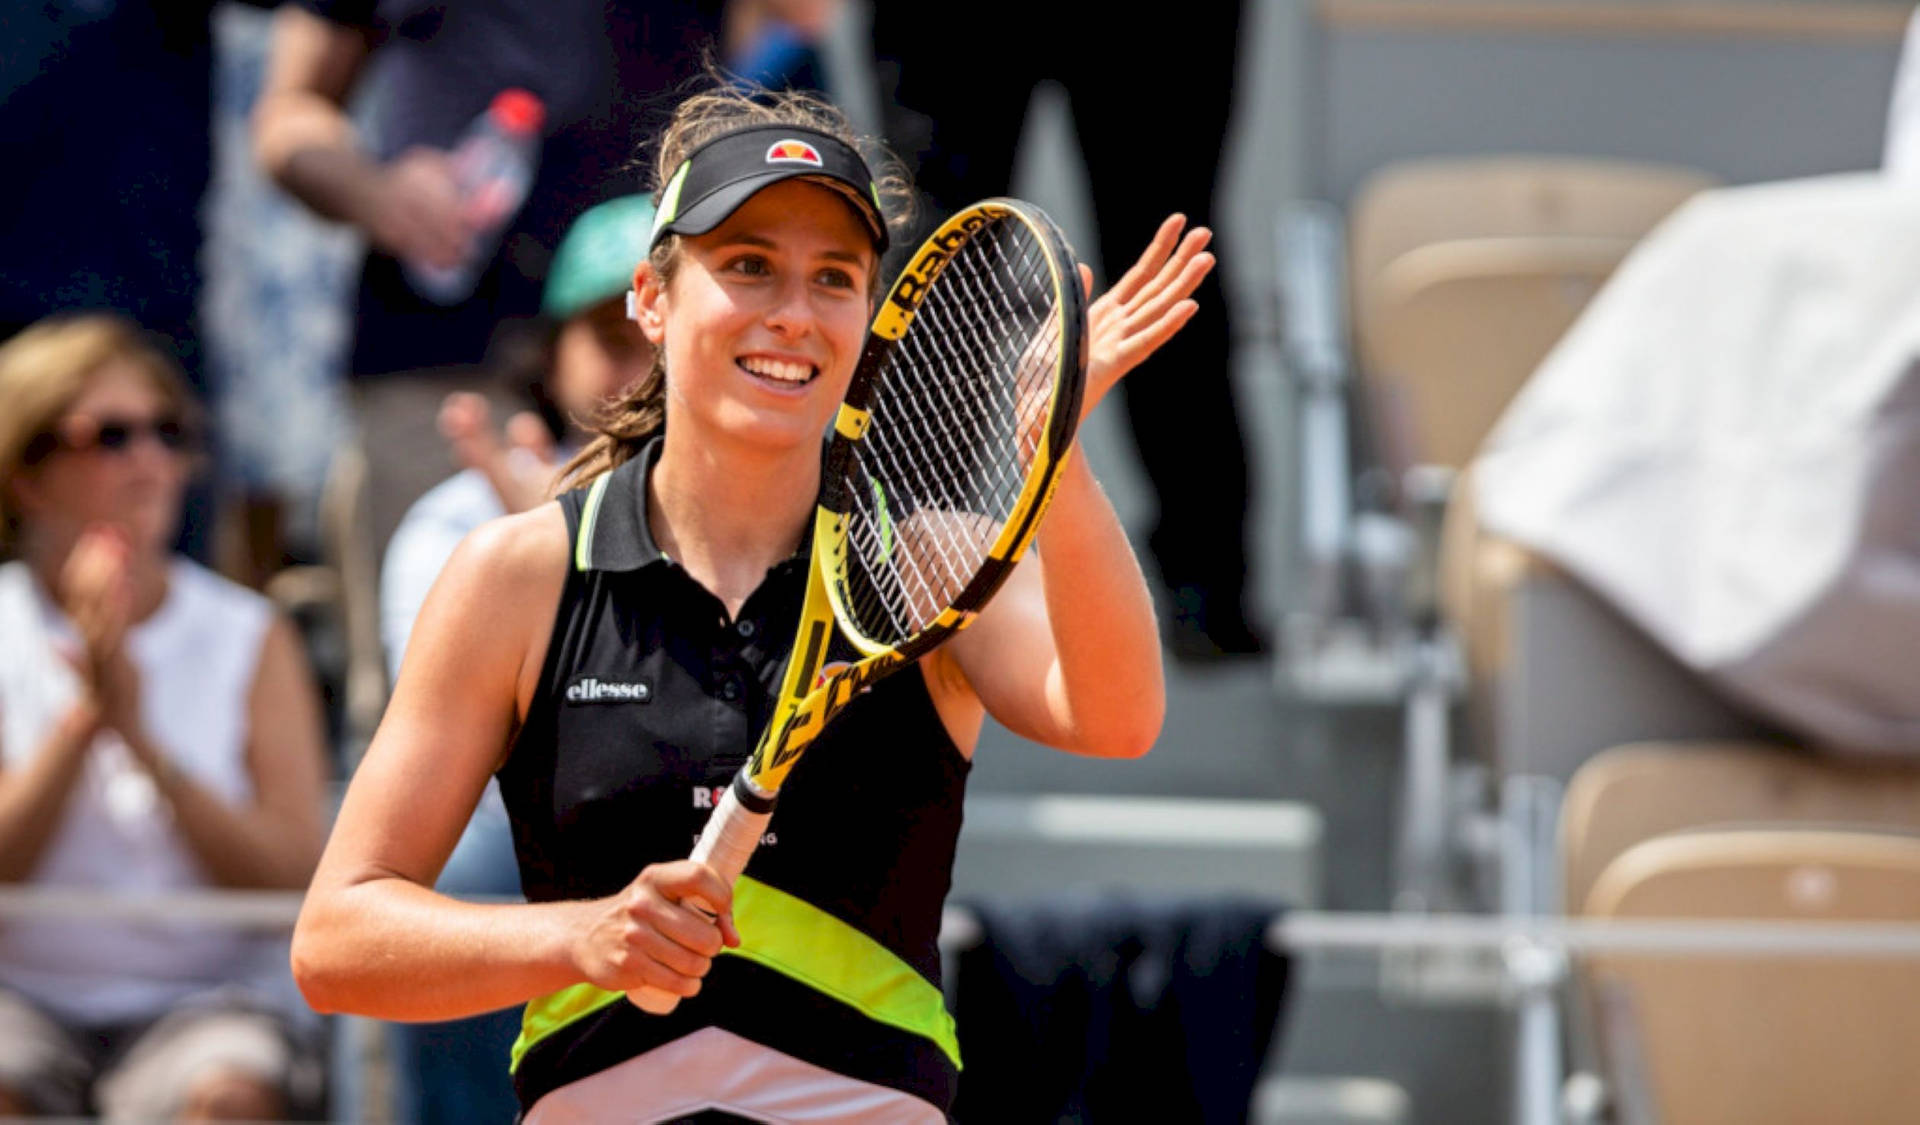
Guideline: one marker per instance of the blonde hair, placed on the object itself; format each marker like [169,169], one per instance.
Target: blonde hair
[624,425]
[45,368]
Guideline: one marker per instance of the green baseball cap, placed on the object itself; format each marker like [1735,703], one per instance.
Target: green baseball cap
[596,259]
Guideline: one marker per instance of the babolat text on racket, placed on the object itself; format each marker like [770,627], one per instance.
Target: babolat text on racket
[943,458]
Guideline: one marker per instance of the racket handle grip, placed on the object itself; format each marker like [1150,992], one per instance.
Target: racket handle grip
[726,844]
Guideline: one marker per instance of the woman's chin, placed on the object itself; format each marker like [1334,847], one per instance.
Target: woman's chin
[773,430]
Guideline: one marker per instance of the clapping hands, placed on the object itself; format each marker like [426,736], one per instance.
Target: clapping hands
[97,594]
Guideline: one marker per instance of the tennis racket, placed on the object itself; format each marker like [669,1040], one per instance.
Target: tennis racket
[943,458]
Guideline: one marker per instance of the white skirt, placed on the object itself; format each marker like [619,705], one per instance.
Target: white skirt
[716,1069]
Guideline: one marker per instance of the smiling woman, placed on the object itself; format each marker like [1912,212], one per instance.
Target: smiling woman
[763,320]
[758,133]
[614,656]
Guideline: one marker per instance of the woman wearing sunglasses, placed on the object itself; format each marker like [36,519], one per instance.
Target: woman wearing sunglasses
[158,731]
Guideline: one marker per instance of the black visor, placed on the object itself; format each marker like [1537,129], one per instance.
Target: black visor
[716,178]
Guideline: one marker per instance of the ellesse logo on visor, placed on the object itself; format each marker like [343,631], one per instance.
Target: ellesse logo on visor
[793,152]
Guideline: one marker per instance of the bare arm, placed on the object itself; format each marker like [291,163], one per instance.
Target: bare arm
[274,839]
[33,797]
[374,937]
[304,141]
[301,135]
[1068,653]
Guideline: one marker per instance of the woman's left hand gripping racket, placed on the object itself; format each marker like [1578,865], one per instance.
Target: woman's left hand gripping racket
[943,458]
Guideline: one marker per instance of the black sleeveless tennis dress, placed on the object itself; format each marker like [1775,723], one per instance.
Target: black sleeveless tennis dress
[650,700]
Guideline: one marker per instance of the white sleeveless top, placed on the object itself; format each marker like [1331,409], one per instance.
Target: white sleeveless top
[197,657]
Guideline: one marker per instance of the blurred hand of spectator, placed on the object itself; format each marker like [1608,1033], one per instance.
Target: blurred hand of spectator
[305,141]
[96,593]
[518,462]
[412,209]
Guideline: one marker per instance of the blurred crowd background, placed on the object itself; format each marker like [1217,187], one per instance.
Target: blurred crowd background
[1531,509]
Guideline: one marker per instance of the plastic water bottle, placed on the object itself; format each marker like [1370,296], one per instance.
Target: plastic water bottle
[493,166]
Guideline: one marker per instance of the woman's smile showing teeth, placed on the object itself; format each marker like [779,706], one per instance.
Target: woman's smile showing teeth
[789,372]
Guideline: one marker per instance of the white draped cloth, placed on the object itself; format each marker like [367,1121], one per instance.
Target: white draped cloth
[1726,447]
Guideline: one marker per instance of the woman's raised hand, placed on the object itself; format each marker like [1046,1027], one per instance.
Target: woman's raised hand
[1149,303]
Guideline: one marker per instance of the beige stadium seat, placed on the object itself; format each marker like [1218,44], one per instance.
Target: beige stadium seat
[1459,326]
[1463,274]
[1756,1039]
[1635,793]
[1416,203]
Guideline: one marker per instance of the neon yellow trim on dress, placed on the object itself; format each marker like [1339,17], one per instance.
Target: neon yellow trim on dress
[795,938]
[803,942]
[589,515]
[551,1012]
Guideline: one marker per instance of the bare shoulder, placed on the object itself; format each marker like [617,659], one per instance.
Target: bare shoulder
[529,546]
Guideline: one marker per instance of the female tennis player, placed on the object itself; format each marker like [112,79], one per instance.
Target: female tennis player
[614,664]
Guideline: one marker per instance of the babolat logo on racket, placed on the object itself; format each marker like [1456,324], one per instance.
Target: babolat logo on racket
[936,253]
[588,689]
[793,152]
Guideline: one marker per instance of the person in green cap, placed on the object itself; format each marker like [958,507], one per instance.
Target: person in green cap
[585,352]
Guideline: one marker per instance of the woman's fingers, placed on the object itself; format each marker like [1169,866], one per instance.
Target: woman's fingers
[687,904]
[1148,305]
[1141,330]
[1176,287]
[673,953]
[1175,277]
[96,588]
[1145,339]
[650,969]
[660,932]
[1148,265]
[1149,339]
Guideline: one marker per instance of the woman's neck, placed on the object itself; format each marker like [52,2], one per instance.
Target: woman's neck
[728,518]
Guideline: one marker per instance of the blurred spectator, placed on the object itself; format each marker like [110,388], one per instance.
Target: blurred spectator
[106,107]
[587,352]
[603,71]
[158,731]
[279,279]
[1903,115]
[1152,124]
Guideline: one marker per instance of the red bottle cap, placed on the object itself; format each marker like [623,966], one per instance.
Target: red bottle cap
[517,111]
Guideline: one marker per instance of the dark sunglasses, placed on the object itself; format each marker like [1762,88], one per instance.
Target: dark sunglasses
[118,435]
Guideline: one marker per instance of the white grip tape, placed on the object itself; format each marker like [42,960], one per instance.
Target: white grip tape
[726,844]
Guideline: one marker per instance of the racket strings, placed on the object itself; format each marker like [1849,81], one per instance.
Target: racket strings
[955,425]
